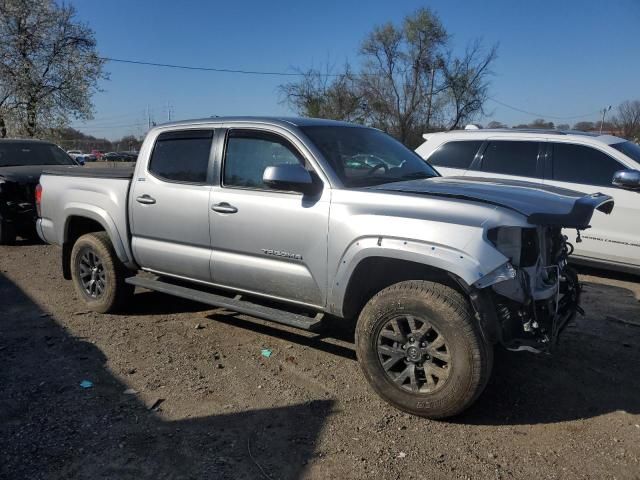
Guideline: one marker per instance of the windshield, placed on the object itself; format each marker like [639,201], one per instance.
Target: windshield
[32,153]
[365,157]
[630,149]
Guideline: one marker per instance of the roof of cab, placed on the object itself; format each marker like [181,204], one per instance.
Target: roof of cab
[282,121]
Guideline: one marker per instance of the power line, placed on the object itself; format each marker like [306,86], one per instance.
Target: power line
[299,74]
[540,115]
[211,69]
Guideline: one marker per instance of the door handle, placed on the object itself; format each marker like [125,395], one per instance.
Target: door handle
[146,199]
[224,207]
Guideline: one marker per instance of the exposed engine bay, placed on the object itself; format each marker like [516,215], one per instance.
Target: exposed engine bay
[535,294]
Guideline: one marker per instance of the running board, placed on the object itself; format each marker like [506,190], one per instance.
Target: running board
[236,304]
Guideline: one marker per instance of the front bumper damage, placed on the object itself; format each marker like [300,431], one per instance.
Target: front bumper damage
[534,295]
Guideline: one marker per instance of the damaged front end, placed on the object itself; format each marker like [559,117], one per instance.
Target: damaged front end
[535,293]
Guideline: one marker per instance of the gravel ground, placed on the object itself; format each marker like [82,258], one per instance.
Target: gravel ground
[182,391]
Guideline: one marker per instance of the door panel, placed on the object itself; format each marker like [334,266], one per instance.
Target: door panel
[265,241]
[614,237]
[275,244]
[170,207]
[172,234]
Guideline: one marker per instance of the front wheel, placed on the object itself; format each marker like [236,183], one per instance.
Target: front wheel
[421,350]
[98,275]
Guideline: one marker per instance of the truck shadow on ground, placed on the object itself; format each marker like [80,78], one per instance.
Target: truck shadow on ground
[52,428]
[593,371]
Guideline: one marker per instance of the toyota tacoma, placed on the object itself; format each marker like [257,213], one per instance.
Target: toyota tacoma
[296,220]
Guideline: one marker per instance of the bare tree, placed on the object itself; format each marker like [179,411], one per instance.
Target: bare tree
[627,119]
[325,95]
[563,126]
[49,65]
[466,82]
[496,124]
[584,126]
[409,82]
[399,76]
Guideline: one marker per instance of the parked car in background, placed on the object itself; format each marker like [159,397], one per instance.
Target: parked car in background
[97,154]
[294,219]
[576,160]
[21,163]
[129,156]
[111,157]
[78,156]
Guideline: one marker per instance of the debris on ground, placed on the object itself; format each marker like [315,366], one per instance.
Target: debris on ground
[266,352]
[402,455]
[86,384]
[130,391]
[199,327]
[155,405]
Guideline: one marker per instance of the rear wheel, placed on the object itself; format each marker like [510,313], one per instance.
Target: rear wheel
[7,233]
[421,350]
[98,275]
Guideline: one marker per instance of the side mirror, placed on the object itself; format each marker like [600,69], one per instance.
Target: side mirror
[291,177]
[627,179]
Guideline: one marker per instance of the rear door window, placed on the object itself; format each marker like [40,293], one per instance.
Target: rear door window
[455,154]
[518,158]
[582,164]
[182,156]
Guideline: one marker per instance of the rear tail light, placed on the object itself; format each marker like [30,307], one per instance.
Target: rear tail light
[38,199]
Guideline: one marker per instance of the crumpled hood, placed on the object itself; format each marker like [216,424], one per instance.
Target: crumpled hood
[27,174]
[541,204]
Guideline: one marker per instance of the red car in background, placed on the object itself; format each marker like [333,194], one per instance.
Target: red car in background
[97,153]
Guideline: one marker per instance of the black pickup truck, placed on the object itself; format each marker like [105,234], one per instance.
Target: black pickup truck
[21,163]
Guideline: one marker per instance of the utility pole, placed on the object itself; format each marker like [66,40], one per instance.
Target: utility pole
[168,111]
[604,112]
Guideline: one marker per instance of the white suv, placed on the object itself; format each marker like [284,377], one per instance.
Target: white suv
[574,160]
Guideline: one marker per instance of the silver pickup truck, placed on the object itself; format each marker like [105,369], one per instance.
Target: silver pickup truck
[294,220]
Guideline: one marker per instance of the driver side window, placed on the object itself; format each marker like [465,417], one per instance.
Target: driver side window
[248,153]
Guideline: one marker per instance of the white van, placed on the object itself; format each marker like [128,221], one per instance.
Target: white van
[575,160]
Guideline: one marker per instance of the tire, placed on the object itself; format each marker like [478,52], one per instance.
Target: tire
[7,233]
[93,259]
[447,365]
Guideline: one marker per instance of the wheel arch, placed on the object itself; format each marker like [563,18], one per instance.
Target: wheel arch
[396,259]
[82,220]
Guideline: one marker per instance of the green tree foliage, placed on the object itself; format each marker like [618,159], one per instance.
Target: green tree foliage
[49,66]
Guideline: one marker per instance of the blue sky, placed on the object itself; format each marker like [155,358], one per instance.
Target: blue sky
[557,58]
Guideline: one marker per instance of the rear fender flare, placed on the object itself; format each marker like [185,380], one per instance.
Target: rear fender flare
[103,218]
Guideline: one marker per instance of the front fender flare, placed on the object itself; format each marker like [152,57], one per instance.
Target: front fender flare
[445,258]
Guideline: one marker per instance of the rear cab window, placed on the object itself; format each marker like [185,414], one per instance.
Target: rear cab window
[456,154]
[511,157]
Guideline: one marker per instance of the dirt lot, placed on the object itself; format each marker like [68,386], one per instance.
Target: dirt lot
[226,411]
